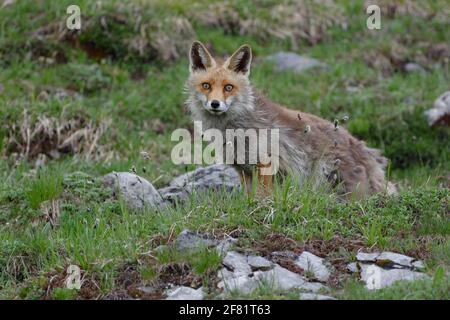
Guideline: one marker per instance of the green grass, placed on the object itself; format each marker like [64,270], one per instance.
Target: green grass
[46,186]
[132,92]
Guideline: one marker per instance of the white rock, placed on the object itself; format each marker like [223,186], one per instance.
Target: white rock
[224,273]
[184,293]
[352,267]
[243,284]
[314,264]
[136,191]
[418,265]
[238,263]
[413,67]
[215,177]
[391,258]
[367,257]
[225,245]
[284,279]
[259,263]
[440,112]
[291,61]
[189,240]
[377,278]
[146,290]
[314,296]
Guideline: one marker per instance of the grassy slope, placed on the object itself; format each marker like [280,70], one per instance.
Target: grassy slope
[101,236]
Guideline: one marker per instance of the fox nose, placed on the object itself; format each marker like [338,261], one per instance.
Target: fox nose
[215,104]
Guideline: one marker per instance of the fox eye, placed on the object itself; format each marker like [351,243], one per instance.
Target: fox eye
[206,85]
[228,87]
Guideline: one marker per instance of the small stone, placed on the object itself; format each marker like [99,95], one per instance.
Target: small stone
[388,259]
[259,263]
[237,263]
[352,267]
[224,273]
[439,114]
[418,265]
[136,191]
[284,279]
[411,67]
[189,240]
[225,245]
[313,264]
[314,296]
[218,177]
[184,293]
[146,290]
[243,284]
[290,61]
[7,3]
[352,89]
[377,278]
[367,257]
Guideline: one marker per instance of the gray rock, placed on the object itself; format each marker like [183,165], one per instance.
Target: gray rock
[367,257]
[224,273]
[215,177]
[278,278]
[237,263]
[136,191]
[411,67]
[293,62]
[390,259]
[352,267]
[184,293]
[259,263]
[146,290]
[439,114]
[418,265]
[189,240]
[225,245]
[313,264]
[314,296]
[376,277]
[352,89]
[243,284]
[284,279]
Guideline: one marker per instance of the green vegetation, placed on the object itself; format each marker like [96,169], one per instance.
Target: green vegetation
[116,90]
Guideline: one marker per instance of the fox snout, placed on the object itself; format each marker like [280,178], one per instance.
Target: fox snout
[216,106]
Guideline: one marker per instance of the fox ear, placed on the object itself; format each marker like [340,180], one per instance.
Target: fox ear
[240,61]
[199,57]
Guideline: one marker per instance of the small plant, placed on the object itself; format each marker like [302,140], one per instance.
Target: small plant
[63,294]
[46,186]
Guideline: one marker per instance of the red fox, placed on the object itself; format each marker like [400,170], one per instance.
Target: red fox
[220,96]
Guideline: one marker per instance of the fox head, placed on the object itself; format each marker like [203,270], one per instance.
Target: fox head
[219,88]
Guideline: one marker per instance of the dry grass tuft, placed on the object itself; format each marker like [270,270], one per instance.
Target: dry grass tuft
[124,36]
[51,138]
[292,21]
[402,51]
